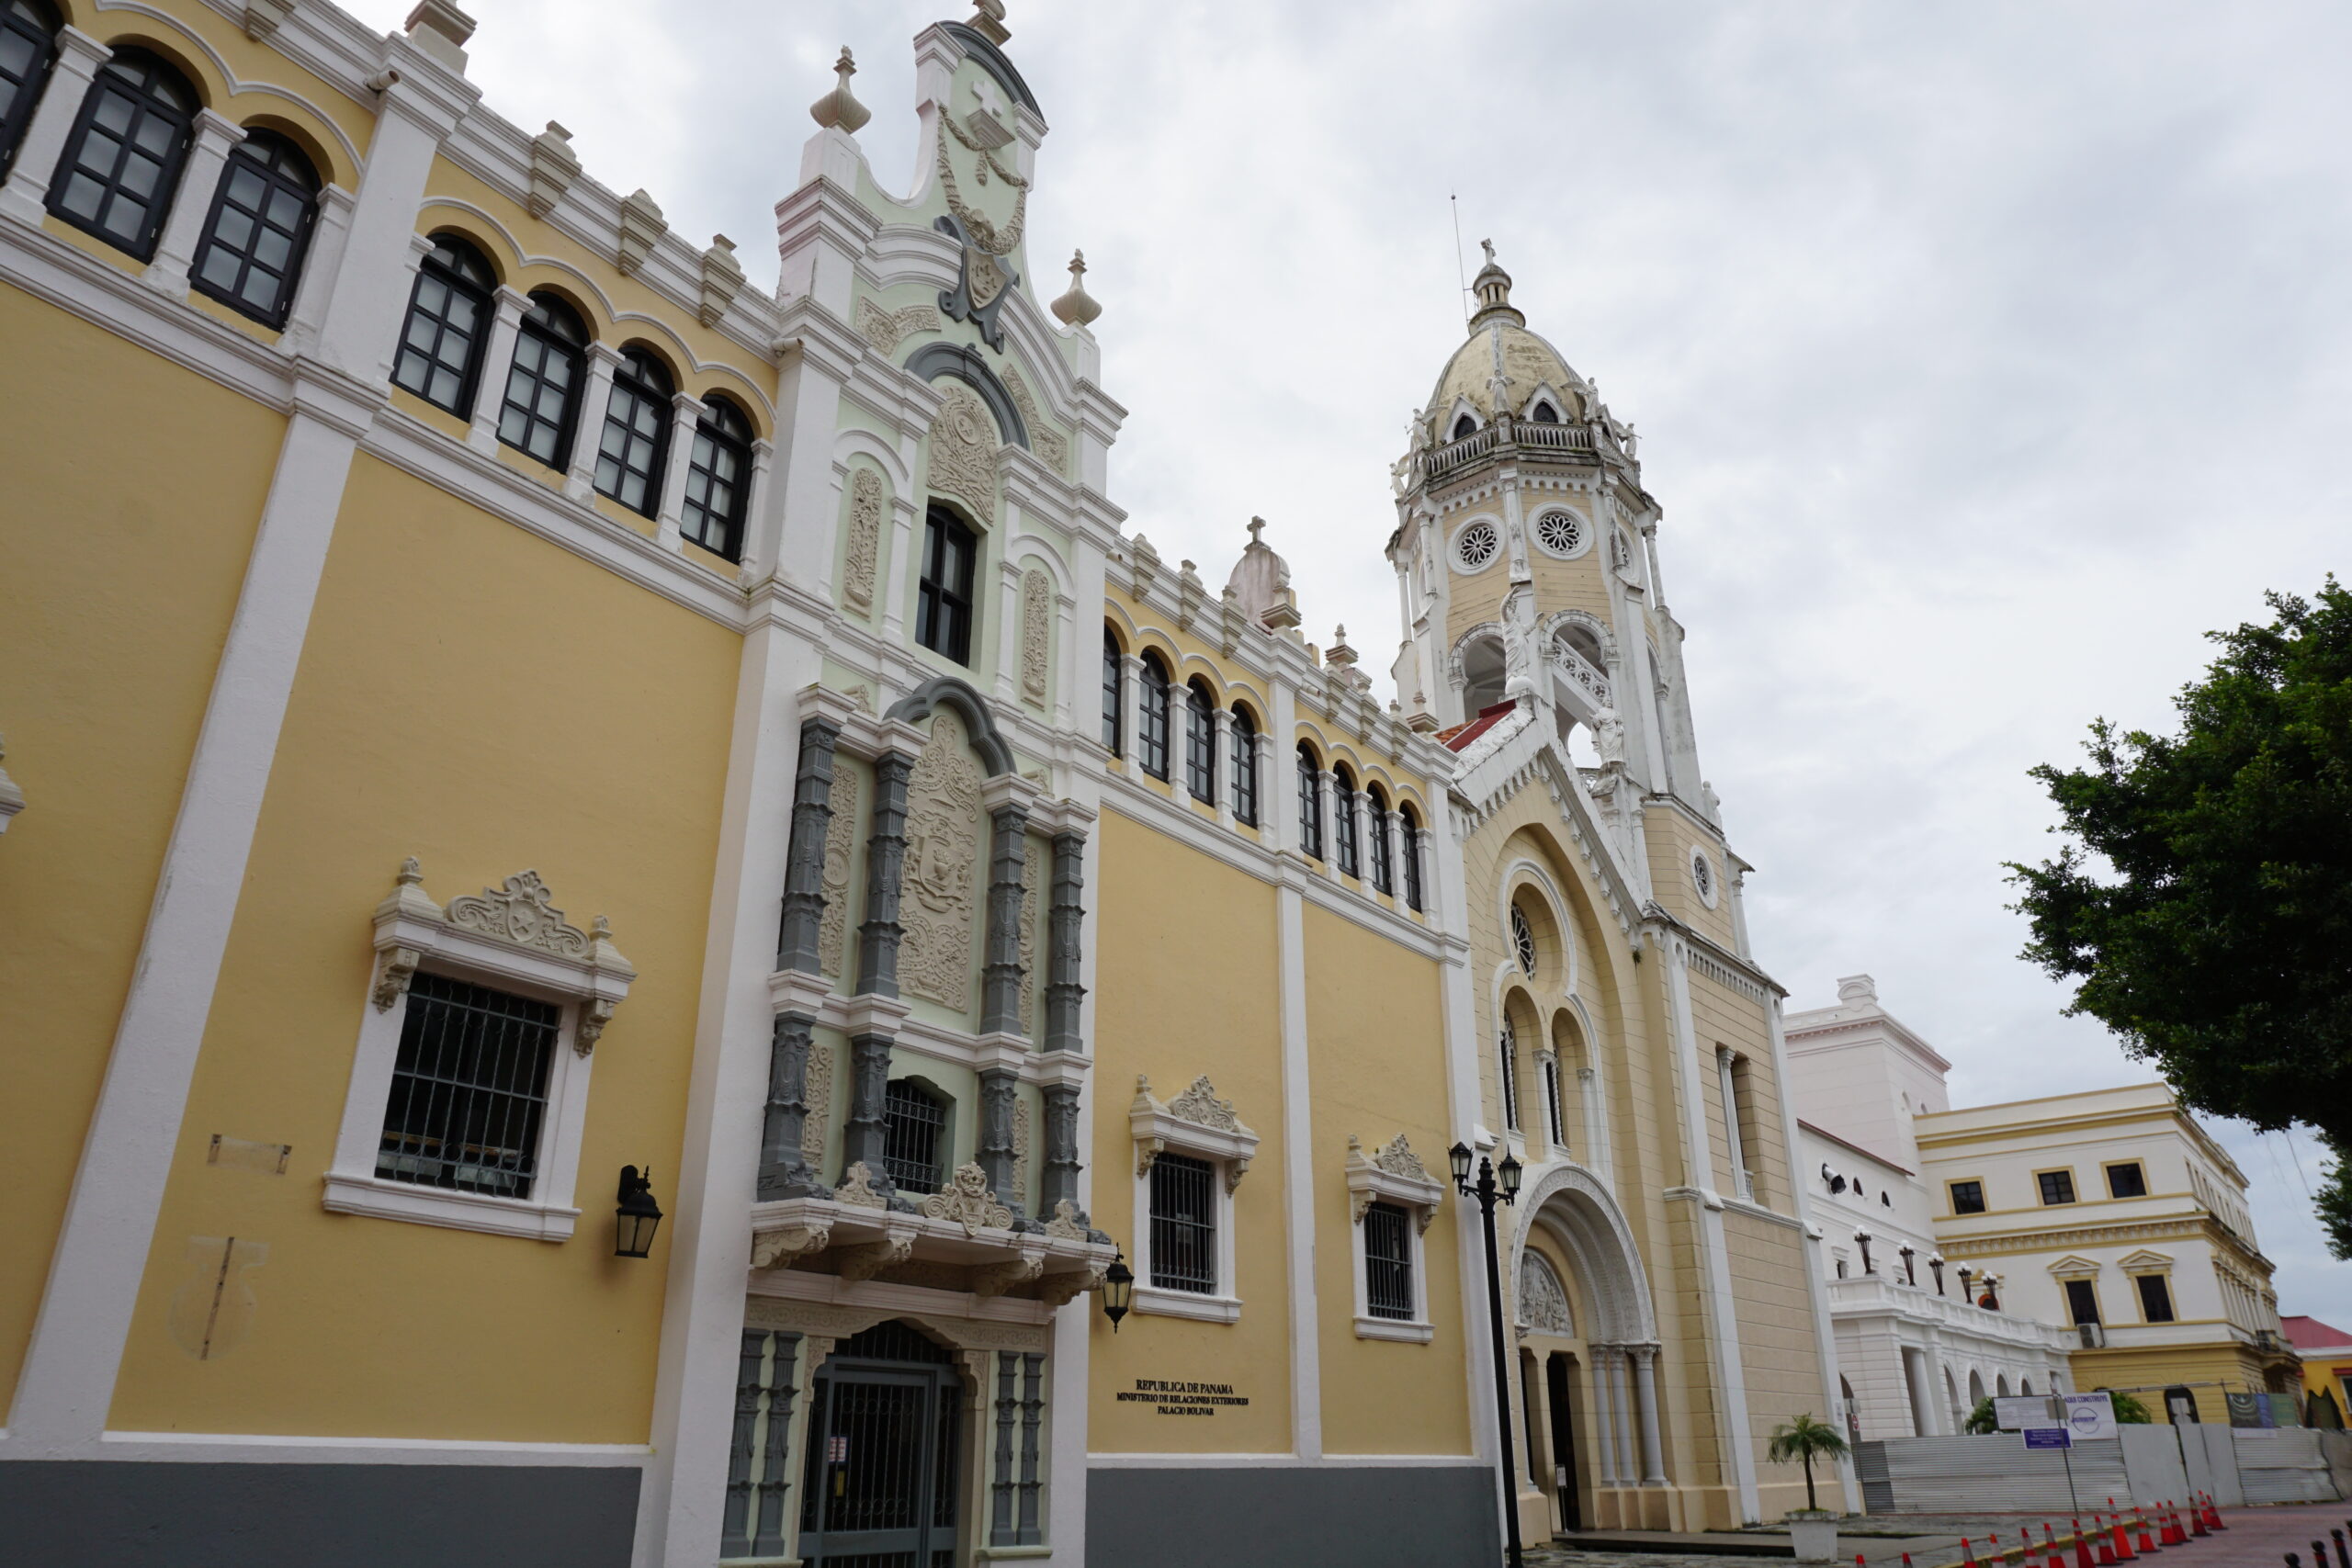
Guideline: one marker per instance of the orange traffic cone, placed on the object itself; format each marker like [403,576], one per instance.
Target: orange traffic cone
[2106,1558]
[2168,1532]
[2082,1546]
[2123,1552]
[1967,1552]
[2213,1514]
[2057,1557]
[2147,1541]
[2197,1521]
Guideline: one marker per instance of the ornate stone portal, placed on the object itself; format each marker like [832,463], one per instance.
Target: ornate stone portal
[938,893]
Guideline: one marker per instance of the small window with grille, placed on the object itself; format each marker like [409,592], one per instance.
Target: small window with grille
[1183,1223]
[1408,835]
[1152,742]
[1244,768]
[1343,820]
[543,382]
[1388,1262]
[468,1089]
[719,480]
[914,1120]
[1200,742]
[1114,693]
[1375,811]
[1310,804]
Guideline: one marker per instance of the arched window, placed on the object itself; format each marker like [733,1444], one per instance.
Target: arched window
[637,433]
[1245,767]
[1544,414]
[1484,670]
[259,227]
[1408,834]
[1310,804]
[1523,940]
[1152,742]
[448,317]
[1507,1074]
[543,382]
[1200,741]
[912,1122]
[1375,813]
[1551,1102]
[1463,428]
[28,48]
[1114,693]
[1343,819]
[944,597]
[719,480]
[122,158]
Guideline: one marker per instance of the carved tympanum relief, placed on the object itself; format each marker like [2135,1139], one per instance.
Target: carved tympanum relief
[520,910]
[1033,877]
[1037,633]
[1542,1300]
[864,547]
[841,855]
[887,329]
[938,893]
[963,450]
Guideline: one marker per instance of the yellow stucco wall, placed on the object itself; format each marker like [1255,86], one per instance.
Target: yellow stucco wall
[436,714]
[1375,1055]
[1192,946]
[109,669]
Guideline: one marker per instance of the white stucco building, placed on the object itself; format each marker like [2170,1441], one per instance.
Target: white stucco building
[1914,1352]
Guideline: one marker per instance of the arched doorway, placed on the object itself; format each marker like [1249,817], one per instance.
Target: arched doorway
[882,1480]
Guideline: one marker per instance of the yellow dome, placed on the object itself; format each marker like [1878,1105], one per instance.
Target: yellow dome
[1526,361]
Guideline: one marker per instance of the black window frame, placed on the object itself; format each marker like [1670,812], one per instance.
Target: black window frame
[1114,693]
[1200,741]
[1555,1116]
[151,72]
[2158,1308]
[1408,833]
[493,1112]
[1381,865]
[456,267]
[1152,718]
[1388,1284]
[2139,1178]
[540,348]
[2082,1301]
[915,1117]
[283,169]
[1184,1219]
[22,19]
[1346,843]
[1973,1203]
[1244,730]
[723,430]
[1311,803]
[1507,1070]
[2050,1182]
[944,611]
[642,386]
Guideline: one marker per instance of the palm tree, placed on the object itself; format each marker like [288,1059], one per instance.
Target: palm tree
[1801,1440]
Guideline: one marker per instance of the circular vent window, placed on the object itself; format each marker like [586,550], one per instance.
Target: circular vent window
[1477,546]
[1560,533]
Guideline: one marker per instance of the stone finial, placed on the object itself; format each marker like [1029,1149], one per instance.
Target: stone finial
[987,20]
[1339,653]
[440,29]
[1856,989]
[1261,582]
[554,165]
[839,109]
[642,227]
[1077,308]
[722,278]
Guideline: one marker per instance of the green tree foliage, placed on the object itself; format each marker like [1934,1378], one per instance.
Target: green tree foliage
[2203,902]
[1981,1419]
[1801,1440]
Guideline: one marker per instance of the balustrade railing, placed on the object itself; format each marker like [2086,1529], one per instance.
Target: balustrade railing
[1581,670]
[1524,434]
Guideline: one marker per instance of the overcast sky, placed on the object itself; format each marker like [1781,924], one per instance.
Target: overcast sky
[1983,356]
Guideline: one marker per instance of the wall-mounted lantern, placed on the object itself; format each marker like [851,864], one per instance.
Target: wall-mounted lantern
[1118,1285]
[638,1216]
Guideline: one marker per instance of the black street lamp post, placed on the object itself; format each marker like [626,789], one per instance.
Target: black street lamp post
[1487,1190]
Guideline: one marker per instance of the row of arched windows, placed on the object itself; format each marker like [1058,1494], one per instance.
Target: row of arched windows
[120,170]
[1353,849]
[440,360]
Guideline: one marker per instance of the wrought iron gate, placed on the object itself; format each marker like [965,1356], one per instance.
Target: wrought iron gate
[883,1471]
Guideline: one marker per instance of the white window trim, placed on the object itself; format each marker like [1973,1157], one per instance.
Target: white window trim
[516,940]
[1393,1175]
[1199,1124]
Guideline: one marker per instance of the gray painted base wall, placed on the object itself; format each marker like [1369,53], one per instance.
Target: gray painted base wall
[1290,1515]
[109,1514]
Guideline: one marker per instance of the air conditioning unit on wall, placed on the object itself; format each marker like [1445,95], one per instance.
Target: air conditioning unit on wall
[2093,1335]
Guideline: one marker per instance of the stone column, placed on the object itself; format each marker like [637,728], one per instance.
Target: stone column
[783,1171]
[25,195]
[996,1135]
[588,424]
[497,359]
[804,868]
[216,134]
[1059,1179]
[1604,1449]
[869,1076]
[1621,1393]
[1646,1403]
[1064,947]
[1221,753]
[886,855]
[1000,974]
[1131,711]
[685,417]
[320,266]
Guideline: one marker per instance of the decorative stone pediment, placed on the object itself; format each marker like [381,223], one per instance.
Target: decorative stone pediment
[1393,1174]
[967,1201]
[1195,1122]
[509,935]
[2075,1265]
[2143,1261]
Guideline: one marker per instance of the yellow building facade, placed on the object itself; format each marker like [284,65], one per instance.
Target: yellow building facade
[535,726]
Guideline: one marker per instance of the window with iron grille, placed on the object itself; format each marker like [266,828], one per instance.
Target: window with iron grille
[1384,879]
[122,159]
[1409,831]
[913,1121]
[259,229]
[1507,1055]
[1114,693]
[1200,743]
[468,1089]
[1343,820]
[943,598]
[543,382]
[719,480]
[28,48]
[448,313]
[637,433]
[1245,767]
[1183,1223]
[1151,723]
[1310,805]
[1388,1262]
